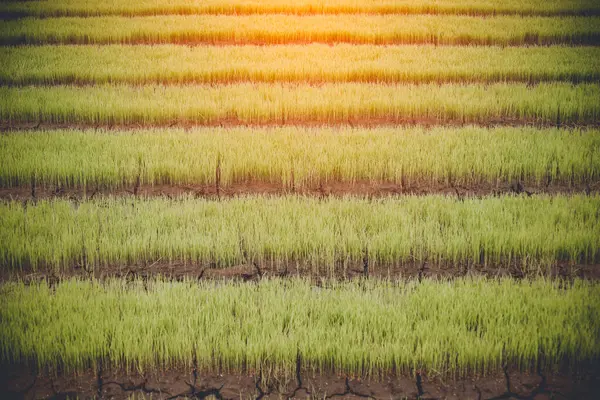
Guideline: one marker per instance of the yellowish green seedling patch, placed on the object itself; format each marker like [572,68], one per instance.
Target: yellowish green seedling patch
[153,7]
[297,157]
[315,63]
[327,235]
[455,328]
[547,103]
[285,29]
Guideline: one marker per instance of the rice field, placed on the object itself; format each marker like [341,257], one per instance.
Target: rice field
[434,225]
[319,233]
[259,103]
[314,63]
[298,157]
[288,29]
[465,326]
[299,7]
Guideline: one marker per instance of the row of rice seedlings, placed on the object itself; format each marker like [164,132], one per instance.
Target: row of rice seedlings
[313,63]
[547,103]
[366,328]
[321,233]
[280,29]
[300,157]
[299,7]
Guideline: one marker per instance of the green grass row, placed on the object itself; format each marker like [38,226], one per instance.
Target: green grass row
[300,157]
[453,328]
[323,234]
[314,63]
[281,29]
[299,7]
[547,103]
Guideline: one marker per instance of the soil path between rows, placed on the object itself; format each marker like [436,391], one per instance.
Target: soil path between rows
[253,272]
[358,121]
[18,382]
[358,188]
[182,38]
[84,81]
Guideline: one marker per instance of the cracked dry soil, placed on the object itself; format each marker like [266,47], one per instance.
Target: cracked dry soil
[19,382]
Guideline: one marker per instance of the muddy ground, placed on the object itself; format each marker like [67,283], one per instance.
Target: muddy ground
[18,382]
[359,188]
[358,121]
[179,271]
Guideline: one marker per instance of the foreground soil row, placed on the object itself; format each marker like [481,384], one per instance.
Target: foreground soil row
[187,382]
[298,7]
[324,234]
[546,103]
[286,29]
[314,63]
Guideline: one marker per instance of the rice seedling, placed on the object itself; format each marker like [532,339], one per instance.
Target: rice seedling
[281,29]
[367,328]
[300,157]
[314,63]
[553,103]
[326,62]
[300,7]
[323,234]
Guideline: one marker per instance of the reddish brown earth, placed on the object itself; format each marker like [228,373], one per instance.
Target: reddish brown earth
[360,188]
[17,382]
[241,10]
[357,121]
[183,38]
[82,81]
[250,10]
[179,271]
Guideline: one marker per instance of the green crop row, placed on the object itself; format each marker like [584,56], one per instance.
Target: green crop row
[554,103]
[314,63]
[455,328]
[319,233]
[280,29]
[300,7]
[300,157]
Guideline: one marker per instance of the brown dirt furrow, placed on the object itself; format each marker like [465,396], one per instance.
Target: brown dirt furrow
[177,271]
[11,14]
[183,39]
[359,188]
[23,383]
[82,81]
[352,122]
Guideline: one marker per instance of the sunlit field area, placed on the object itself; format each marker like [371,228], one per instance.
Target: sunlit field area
[282,103]
[289,29]
[300,157]
[362,327]
[320,233]
[150,7]
[315,63]
[252,199]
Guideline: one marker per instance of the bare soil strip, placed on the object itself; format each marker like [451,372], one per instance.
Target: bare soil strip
[80,81]
[179,271]
[359,122]
[360,188]
[590,39]
[23,383]
[16,11]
